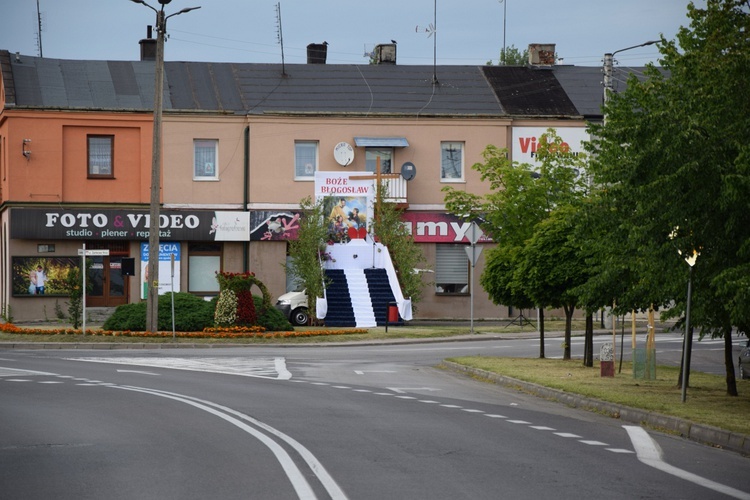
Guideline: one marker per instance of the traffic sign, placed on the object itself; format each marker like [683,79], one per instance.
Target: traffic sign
[473,252]
[89,253]
[475,232]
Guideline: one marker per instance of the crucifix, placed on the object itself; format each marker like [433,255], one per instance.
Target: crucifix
[378,177]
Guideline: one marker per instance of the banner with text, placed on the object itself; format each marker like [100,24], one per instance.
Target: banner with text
[107,224]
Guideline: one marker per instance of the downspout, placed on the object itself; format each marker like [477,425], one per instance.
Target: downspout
[245,198]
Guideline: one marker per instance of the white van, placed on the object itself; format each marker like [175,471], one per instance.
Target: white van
[294,306]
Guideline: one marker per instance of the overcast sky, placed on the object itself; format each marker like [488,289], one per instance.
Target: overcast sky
[467,31]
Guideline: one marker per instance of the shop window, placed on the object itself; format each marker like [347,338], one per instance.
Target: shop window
[205,159]
[305,159]
[451,269]
[204,261]
[386,159]
[451,161]
[100,151]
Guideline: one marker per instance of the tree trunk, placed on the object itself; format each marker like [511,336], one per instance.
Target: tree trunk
[568,328]
[729,363]
[588,349]
[541,333]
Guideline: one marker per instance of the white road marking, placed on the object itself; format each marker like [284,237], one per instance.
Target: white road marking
[15,372]
[402,390]
[269,368]
[300,484]
[138,371]
[649,453]
[567,435]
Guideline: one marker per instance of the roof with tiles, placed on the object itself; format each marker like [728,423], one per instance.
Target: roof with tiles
[324,89]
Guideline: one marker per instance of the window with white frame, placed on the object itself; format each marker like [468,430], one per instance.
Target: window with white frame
[386,159]
[305,159]
[451,269]
[100,152]
[205,159]
[451,161]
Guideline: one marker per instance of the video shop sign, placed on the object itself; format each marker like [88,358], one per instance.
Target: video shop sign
[109,224]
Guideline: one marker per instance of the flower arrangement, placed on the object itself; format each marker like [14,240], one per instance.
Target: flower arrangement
[235,304]
[235,332]
[226,308]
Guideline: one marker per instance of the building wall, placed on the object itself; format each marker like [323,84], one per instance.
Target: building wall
[56,170]
[179,187]
[272,141]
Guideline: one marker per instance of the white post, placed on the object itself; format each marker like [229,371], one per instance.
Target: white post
[83,304]
[171,258]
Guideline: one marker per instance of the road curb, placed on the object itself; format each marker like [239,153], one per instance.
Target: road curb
[704,434]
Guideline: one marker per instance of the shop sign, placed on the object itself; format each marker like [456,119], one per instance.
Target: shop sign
[526,141]
[60,224]
[439,227]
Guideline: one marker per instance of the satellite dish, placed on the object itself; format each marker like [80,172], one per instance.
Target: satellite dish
[408,171]
[343,152]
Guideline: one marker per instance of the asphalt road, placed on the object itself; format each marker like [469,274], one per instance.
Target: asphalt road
[359,422]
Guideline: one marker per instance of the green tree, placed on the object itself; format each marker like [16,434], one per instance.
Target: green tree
[305,252]
[521,198]
[551,265]
[74,288]
[673,159]
[511,56]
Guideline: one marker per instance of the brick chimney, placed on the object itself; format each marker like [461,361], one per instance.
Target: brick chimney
[148,46]
[541,54]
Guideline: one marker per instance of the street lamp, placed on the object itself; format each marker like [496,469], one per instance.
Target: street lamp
[152,271]
[688,340]
[687,344]
[608,63]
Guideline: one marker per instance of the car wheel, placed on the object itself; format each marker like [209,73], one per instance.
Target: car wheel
[743,373]
[300,317]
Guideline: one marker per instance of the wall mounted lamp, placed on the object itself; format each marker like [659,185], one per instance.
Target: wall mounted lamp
[25,151]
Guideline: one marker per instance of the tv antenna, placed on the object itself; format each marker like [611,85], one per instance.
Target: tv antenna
[280,36]
[39,29]
[432,30]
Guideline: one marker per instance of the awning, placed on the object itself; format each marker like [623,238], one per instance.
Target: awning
[381,142]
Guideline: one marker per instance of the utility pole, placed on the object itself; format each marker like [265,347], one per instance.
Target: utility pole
[609,63]
[152,270]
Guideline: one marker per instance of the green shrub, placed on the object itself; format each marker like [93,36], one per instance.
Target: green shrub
[272,319]
[191,314]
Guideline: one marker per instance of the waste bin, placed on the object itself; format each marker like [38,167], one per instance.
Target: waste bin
[392,312]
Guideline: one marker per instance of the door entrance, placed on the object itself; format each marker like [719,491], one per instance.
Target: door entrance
[108,287]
